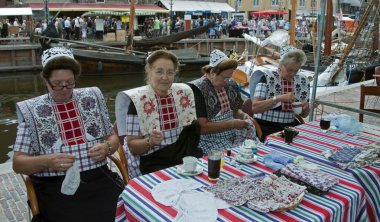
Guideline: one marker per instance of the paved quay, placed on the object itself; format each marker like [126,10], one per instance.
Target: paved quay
[13,193]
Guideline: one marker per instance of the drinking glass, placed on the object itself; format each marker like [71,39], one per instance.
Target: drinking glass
[214,162]
[324,124]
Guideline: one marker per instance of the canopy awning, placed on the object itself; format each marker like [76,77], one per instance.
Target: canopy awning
[140,9]
[355,3]
[197,6]
[111,13]
[15,11]
[269,12]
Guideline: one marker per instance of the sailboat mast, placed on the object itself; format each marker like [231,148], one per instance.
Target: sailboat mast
[375,38]
[348,48]
[328,28]
[292,40]
[131,24]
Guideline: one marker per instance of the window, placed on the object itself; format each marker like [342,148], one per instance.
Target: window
[275,2]
[100,1]
[302,3]
[256,2]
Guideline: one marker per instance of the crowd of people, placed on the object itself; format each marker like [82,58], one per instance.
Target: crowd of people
[82,27]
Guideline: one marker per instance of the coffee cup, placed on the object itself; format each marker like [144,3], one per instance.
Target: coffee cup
[189,164]
[289,134]
[297,107]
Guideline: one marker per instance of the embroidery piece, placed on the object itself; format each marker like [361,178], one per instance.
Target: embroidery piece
[263,194]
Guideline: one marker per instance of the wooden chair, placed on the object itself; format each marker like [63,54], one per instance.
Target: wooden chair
[247,108]
[32,197]
[368,91]
[377,75]
[299,119]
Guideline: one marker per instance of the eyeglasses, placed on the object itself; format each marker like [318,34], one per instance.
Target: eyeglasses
[69,85]
[161,73]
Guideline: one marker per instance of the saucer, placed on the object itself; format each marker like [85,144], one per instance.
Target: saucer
[197,171]
[244,160]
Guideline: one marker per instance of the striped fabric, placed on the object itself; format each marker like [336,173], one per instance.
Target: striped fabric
[344,202]
[311,142]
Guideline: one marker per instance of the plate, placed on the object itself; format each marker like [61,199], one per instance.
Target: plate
[197,171]
[244,160]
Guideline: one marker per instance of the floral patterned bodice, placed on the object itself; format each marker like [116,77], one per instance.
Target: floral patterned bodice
[301,89]
[147,109]
[39,116]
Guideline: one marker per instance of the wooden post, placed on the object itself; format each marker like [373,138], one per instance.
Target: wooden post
[292,40]
[131,23]
[328,28]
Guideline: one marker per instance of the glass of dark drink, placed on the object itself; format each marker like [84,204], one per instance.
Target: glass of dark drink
[214,161]
[324,124]
[289,134]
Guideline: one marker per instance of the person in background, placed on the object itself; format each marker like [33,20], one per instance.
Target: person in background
[4,28]
[159,119]
[276,90]
[218,103]
[63,138]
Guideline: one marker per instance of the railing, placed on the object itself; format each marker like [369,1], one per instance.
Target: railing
[334,105]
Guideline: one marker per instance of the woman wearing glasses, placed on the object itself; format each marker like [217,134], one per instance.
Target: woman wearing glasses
[276,90]
[218,102]
[158,119]
[62,142]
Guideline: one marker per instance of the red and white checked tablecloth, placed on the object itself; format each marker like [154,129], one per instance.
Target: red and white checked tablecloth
[344,202]
[311,142]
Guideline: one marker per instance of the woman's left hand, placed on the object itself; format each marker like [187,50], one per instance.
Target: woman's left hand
[98,152]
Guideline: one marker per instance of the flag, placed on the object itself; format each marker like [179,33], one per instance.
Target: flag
[340,14]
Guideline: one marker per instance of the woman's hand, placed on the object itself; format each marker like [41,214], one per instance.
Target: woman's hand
[60,161]
[239,124]
[156,137]
[98,152]
[288,97]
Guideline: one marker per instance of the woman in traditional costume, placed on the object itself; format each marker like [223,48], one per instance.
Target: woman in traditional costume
[158,119]
[218,103]
[276,90]
[63,139]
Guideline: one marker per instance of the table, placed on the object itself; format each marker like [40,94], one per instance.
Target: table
[311,142]
[344,202]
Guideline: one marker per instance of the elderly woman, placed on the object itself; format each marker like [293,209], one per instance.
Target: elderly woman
[157,119]
[276,90]
[62,142]
[218,102]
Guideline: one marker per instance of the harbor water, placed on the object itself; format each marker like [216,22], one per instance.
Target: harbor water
[17,87]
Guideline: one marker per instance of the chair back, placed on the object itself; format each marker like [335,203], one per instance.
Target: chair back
[368,91]
[377,75]
[120,149]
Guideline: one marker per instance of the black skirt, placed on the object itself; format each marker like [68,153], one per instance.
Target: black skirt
[95,199]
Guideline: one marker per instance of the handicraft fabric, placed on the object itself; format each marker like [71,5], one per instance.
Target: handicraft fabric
[263,194]
[354,157]
[319,180]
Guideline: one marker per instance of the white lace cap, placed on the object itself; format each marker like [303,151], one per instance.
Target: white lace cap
[51,53]
[285,50]
[217,57]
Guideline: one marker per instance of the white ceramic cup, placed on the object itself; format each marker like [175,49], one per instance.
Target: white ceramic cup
[297,107]
[189,164]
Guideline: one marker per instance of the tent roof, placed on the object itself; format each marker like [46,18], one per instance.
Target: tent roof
[200,6]
[15,11]
[270,12]
[55,7]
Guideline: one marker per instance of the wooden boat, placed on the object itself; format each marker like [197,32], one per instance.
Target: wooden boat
[101,61]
